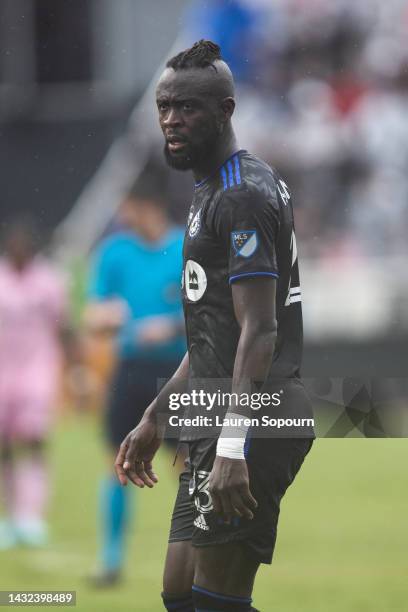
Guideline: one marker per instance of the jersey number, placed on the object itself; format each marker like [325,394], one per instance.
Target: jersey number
[294,294]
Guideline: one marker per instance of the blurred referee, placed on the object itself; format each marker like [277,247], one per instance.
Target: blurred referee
[134,293]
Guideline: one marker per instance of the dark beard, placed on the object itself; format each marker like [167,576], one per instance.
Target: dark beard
[195,157]
[181,162]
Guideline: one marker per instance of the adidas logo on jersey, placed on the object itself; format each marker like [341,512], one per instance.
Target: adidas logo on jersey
[200,522]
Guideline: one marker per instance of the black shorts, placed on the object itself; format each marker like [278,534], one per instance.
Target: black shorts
[133,387]
[272,466]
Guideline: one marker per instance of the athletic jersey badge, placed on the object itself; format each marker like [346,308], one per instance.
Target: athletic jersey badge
[195,225]
[195,280]
[245,242]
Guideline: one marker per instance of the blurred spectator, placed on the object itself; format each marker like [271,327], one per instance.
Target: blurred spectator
[234,26]
[32,317]
[135,294]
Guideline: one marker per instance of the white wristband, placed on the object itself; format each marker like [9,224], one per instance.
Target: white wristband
[231,442]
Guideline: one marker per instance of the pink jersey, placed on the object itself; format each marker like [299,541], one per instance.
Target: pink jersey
[32,305]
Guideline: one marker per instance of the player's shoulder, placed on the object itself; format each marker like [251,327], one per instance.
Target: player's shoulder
[245,174]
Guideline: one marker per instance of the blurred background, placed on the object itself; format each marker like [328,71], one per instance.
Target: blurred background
[322,94]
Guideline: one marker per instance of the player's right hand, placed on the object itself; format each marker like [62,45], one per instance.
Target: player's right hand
[134,459]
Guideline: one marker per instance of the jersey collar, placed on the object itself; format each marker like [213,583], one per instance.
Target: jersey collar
[200,183]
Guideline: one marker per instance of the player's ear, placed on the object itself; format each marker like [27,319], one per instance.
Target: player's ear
[228,107]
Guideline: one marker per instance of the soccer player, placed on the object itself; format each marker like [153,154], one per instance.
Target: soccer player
[242,306]
[134,294]
[32,317]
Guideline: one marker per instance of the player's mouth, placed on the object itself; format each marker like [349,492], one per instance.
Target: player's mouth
[176,144]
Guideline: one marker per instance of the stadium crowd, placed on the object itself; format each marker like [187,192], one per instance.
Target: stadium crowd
[314,80]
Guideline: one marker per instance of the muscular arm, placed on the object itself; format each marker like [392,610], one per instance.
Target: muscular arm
[254,306]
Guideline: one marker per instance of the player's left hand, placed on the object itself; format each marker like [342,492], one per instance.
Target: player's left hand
[134,459]
[229,489]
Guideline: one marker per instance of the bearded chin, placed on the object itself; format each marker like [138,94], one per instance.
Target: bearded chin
[196,157]
[180,162]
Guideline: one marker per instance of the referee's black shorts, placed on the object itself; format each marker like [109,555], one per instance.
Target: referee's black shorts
[133,387]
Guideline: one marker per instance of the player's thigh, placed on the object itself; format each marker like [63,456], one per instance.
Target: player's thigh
[272,466]
[179,568]
[226,569]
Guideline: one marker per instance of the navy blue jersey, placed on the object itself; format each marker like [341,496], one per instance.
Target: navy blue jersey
[240,225]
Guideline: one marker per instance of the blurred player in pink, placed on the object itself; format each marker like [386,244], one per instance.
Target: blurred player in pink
[32,305]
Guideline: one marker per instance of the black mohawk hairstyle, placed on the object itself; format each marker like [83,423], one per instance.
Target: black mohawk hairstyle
[202,54]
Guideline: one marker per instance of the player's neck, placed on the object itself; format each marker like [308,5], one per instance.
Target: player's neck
[226,147]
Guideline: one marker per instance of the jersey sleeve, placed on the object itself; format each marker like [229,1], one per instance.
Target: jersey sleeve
[247,223]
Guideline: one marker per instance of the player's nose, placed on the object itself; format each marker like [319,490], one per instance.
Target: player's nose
[172,118]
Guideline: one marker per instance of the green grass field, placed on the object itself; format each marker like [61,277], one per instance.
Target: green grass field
[342,543]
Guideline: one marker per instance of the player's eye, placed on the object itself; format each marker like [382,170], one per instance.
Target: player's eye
[187,106]
[163,106]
